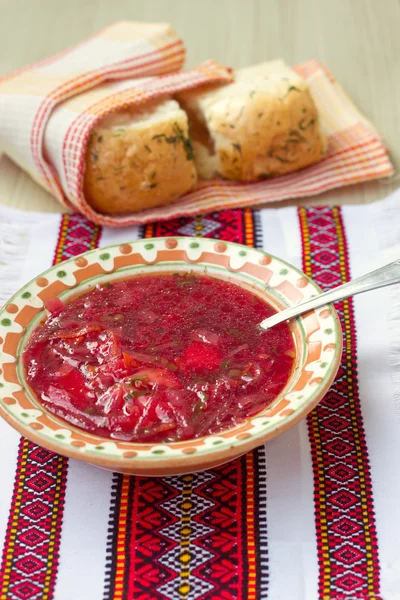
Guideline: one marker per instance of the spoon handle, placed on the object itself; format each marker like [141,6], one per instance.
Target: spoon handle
[387,275]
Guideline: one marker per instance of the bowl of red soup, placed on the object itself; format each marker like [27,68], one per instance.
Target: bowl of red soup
[146,357]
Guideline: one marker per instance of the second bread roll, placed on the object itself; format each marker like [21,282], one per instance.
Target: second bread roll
[139,159]
[263,124]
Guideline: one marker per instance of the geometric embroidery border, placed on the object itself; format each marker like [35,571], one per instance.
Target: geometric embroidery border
[31,547]
[344,512]
[195,536]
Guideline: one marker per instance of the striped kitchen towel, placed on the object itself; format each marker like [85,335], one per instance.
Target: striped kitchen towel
[48,110]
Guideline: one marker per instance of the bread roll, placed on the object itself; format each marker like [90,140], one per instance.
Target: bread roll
[263,124]
[139,159]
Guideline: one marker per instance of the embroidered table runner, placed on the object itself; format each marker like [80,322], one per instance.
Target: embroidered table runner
[313,514]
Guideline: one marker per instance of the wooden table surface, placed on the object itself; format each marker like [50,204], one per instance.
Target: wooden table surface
[359,40]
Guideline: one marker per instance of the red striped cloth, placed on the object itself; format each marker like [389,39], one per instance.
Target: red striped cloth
[130,63]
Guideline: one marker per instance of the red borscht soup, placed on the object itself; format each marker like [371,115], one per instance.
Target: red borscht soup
[158,358]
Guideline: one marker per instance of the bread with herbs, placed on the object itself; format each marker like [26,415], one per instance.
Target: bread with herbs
[139,159]
[263,124]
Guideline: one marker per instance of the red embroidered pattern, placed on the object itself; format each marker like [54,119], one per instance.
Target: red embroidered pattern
[235,225]
[30,553]
[201,536]
[345,522]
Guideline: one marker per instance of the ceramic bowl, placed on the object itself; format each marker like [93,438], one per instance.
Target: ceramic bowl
[317,335]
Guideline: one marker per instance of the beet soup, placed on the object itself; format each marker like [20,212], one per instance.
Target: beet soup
[158,358]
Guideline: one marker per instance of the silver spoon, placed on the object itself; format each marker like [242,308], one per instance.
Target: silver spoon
[387,275]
